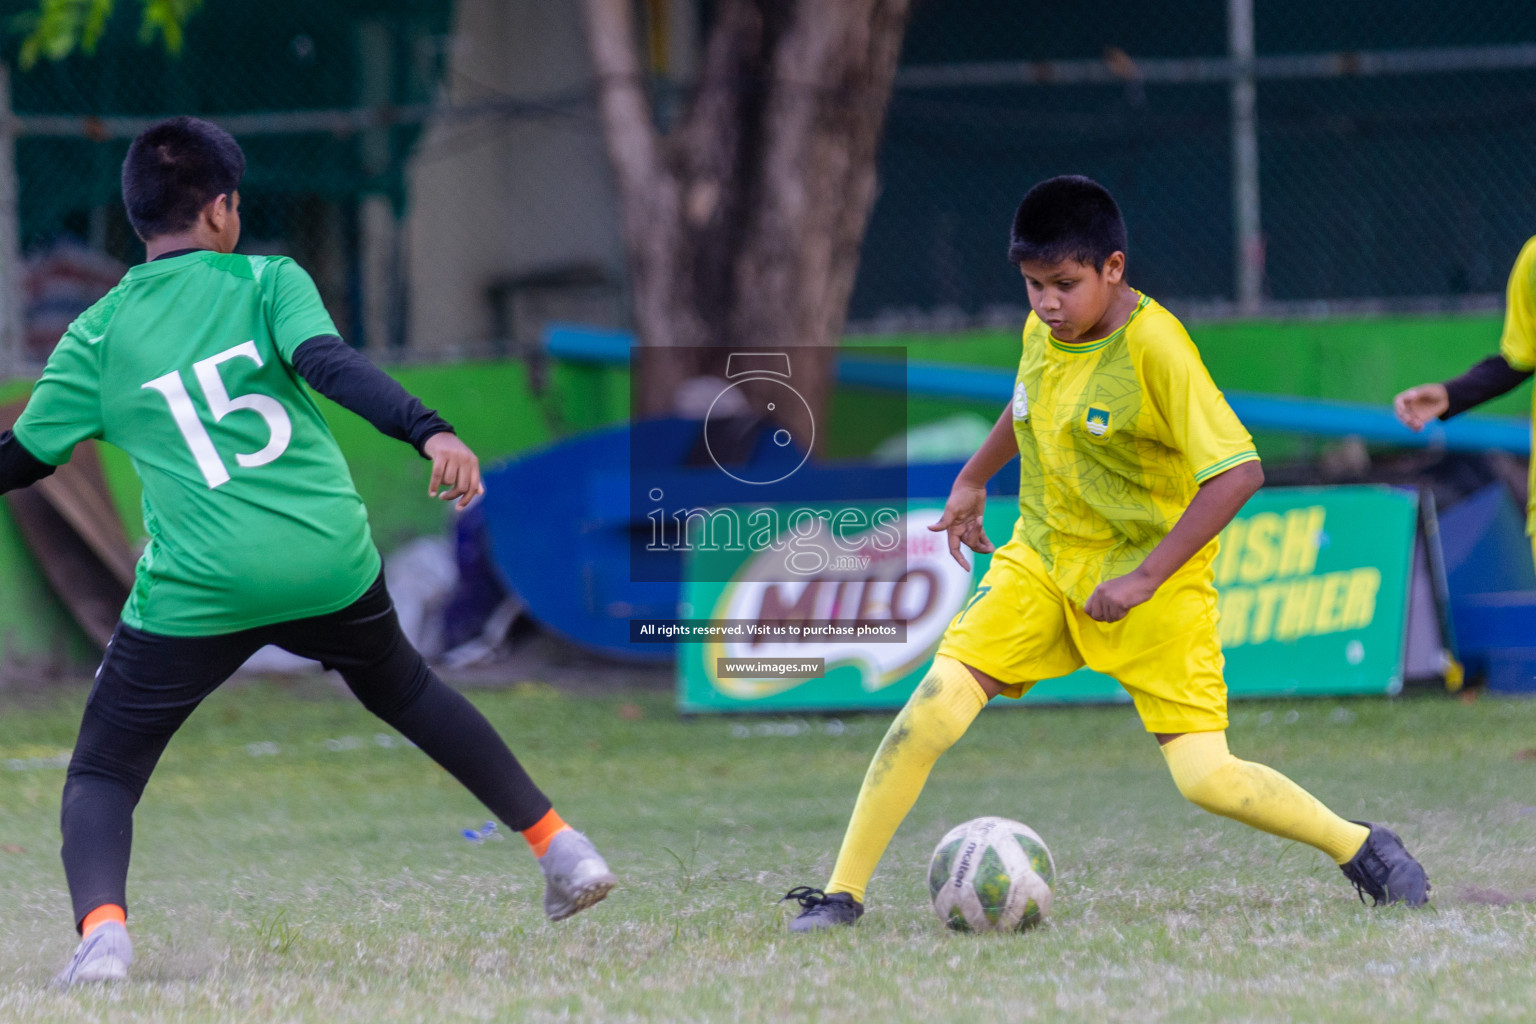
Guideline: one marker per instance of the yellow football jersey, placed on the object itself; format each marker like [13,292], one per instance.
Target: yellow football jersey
[1518,346]
[1115,437]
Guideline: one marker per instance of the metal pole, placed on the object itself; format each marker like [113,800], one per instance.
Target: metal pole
[1432,60]
[1248,236]
[377,224]
[10,237]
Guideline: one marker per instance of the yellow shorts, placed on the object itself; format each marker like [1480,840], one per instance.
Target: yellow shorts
[1019,628]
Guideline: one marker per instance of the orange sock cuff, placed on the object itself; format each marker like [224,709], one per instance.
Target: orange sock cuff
[543,830]
[100,916]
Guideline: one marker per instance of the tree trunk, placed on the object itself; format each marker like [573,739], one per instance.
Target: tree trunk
[742,224]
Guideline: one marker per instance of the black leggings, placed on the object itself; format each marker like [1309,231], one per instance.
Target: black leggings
[149,684]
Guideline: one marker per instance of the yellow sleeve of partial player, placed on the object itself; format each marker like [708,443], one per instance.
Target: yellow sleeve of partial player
[1191,415]
[1518,346]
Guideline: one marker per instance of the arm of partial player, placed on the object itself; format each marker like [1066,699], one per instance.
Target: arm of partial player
[1487,380]
[346,377]
[1218,500]
[1493,376]
[19,467]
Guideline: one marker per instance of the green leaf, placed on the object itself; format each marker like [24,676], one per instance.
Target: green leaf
[94,23]
[60,27]
[169,18]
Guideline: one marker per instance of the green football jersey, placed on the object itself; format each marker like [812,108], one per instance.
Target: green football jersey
[251,511]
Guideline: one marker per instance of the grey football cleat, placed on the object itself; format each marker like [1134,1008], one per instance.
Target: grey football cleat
[1386,871]
[575,875]
[820,911]
[103,956]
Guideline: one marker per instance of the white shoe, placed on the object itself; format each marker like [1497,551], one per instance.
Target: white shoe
[575,875]
[103,956]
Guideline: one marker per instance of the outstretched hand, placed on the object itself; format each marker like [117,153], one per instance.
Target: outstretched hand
[455,470]
[962,521]
[1417,406]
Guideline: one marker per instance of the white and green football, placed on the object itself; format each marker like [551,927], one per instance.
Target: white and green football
[991,875]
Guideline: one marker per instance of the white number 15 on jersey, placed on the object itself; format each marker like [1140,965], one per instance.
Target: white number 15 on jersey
[221,405]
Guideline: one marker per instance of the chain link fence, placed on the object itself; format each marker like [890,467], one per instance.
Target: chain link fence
[1393,152]
[327,101]
[1395,146]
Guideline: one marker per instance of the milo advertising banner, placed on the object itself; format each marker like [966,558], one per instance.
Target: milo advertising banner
[1313,586]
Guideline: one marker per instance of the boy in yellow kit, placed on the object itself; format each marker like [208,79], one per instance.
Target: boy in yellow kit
[1132,463]
[1493,376]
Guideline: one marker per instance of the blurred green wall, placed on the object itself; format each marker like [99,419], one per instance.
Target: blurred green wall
[36,632]
[499,415]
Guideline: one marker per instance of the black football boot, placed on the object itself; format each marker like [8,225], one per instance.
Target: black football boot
[820,911]
[1386,871]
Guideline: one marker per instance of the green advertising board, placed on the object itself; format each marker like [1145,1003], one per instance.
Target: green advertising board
[1313,596]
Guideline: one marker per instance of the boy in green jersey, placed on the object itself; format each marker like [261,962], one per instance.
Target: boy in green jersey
[192,365]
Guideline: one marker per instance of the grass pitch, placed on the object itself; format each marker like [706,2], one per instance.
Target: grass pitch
[295,861]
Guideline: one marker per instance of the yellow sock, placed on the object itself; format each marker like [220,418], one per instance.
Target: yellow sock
[940,710]
[1210,777]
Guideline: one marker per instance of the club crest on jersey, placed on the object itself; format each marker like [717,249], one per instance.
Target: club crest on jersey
[1020,402]
[1097,421]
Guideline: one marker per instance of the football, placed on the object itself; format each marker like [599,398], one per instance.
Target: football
[991,875]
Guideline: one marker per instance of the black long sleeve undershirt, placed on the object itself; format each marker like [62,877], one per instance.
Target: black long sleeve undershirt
[19,467]
[1488,379]
[346,377]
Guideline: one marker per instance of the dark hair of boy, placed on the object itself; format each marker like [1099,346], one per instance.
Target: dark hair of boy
[174,169]
[1067,218]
